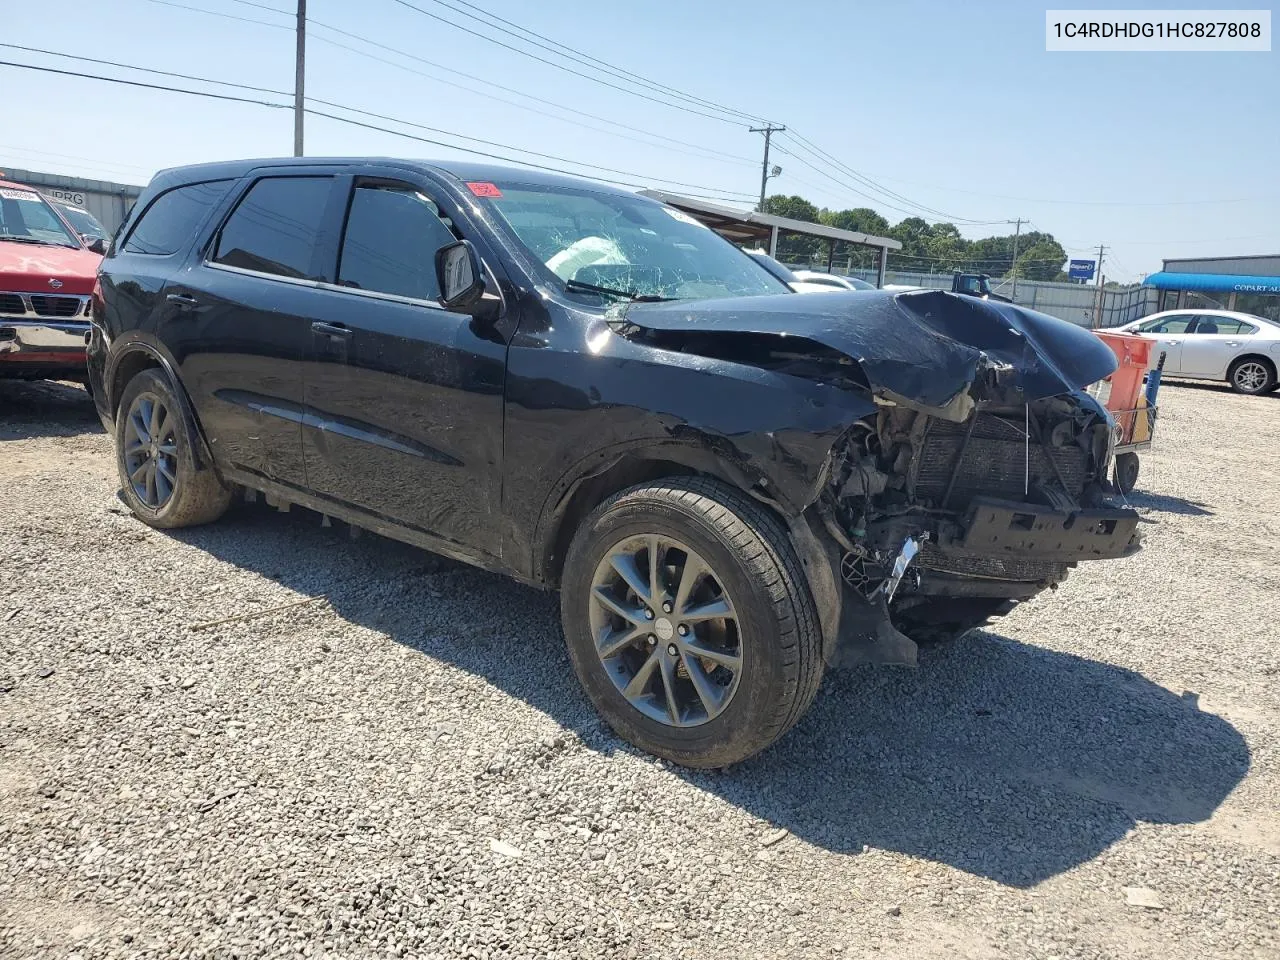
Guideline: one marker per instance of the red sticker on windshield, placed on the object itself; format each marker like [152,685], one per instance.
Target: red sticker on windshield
[485,189]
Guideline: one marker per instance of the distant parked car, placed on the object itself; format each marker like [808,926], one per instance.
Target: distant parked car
[1239,348]
[91,231]
[832,280]
[785,273]
[46,278]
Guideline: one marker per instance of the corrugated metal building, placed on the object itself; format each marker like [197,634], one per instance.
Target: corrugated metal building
[107,201]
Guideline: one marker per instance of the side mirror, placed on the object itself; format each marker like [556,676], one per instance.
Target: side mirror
[96,244]
[459,273]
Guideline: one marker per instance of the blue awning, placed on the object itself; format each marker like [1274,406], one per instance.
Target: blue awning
[1212,282]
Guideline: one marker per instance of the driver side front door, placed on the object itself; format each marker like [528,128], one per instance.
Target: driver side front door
[404,397]
[1170,333]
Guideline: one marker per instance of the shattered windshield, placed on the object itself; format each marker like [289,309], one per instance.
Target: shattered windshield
[630,247]
[26,217]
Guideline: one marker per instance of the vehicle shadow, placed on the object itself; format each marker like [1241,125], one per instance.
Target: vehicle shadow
[45,408]
[1163,503]
[999,758]
[1207,386]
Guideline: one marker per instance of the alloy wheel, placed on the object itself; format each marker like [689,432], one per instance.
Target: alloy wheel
[151,450]
[1251,376]
[666,630]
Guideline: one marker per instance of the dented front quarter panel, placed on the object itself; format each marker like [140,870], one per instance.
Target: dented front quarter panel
[921,349]
[581,397]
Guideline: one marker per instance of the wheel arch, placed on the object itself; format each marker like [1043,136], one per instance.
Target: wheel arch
[139,355]
[605,475]
[1268,362]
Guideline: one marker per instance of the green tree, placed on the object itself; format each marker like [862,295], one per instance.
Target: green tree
[859,220]
[794,247]
[1042,260]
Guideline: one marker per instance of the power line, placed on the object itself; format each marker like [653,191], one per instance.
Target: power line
[507,146]
[1076,202]
[706,153]
[876,200]
[148,86]
[161,73]
[480,153]
[814,149]
[523,33]
[452,146]
[225,16]
[561,66]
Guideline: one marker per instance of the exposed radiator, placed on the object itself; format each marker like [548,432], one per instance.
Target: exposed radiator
[995,462]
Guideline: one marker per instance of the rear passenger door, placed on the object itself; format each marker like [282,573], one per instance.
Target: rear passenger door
[240,318]
[404,397]
[1215,342]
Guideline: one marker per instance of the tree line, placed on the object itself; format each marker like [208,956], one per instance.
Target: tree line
[925,246]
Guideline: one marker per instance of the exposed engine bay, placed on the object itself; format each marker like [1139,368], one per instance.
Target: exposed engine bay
[944,524]
[974,475]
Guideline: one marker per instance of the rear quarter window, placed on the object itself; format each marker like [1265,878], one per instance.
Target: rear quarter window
[173,218]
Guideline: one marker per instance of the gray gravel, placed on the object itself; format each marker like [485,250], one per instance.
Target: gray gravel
[407,768]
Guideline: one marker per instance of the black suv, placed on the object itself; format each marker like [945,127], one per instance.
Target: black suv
[733,486]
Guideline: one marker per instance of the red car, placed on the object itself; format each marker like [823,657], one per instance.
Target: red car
[47,272]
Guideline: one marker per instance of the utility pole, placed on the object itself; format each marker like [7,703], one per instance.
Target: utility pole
[300,79]
[1097,310]
[1016,234]
[768,130]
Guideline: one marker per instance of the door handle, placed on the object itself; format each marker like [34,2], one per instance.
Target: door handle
[1232,343]
[1173,343]
[184,300]
[336,331]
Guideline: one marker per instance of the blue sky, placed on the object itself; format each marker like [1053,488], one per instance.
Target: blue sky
[954,106]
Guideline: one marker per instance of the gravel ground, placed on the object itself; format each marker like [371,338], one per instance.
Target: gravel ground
[404,766]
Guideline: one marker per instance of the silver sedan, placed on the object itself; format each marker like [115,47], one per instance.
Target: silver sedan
[1239,348]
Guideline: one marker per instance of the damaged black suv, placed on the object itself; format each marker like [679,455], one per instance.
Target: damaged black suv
[732,486]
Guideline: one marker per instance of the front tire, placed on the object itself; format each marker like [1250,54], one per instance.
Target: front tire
[158,477]
[1251,376]
[689,621]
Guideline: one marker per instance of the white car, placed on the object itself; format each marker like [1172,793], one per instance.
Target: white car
[832,280]
[1239,348]
[785,274]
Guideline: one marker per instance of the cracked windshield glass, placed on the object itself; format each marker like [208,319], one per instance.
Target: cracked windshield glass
[627,247]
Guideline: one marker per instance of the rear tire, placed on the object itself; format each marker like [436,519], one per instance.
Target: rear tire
[1252,376]
[158,478]
[770,629]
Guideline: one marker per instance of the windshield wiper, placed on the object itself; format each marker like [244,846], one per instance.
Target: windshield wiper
[43,243]
[612,292]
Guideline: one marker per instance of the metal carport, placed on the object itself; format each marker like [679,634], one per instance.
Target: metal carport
[745,226]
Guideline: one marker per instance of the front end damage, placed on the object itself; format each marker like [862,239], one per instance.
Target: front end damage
[942,525]
[977,481]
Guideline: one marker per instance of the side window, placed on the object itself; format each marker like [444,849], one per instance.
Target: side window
[1235,328]
[173,217]
[1178,323]
[390,243]
[275,226]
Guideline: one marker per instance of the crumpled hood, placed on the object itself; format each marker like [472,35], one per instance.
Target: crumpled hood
[28,268]
[925,347]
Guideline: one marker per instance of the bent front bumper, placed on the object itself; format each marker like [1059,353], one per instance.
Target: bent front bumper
[1030,531]
[42,343]
[1005,550]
